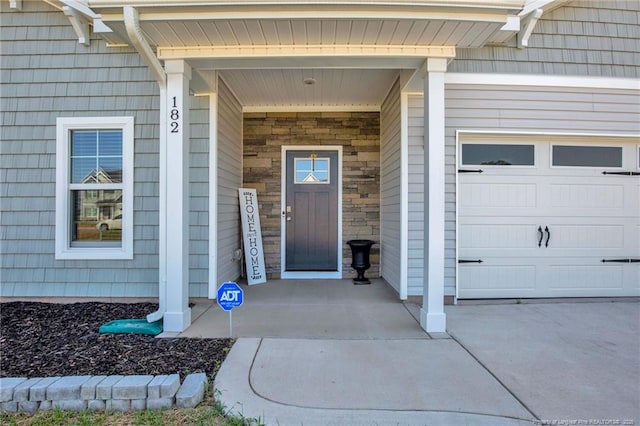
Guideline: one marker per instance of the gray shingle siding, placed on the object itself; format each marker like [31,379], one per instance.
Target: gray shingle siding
[47,74]
[588,38]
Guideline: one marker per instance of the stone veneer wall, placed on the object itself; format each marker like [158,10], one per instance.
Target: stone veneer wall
[359,135]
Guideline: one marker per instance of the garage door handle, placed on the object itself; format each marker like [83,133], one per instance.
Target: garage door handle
[469,171]
[541,236]
[469,261]
[622,173]
[546,243]
[620,260]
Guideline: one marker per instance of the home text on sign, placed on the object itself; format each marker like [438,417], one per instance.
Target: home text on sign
[253,252]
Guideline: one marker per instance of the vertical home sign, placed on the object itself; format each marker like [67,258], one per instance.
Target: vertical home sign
[253,253]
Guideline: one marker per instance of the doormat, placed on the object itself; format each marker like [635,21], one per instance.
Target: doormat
[133,326]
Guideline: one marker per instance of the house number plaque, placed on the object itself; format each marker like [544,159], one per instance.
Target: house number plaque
[174,116]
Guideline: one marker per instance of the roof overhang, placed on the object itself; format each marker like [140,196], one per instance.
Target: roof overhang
[240,35]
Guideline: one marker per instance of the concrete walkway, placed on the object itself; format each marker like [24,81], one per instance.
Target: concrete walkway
[338,359]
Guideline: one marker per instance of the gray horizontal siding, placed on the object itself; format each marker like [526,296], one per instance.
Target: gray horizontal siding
[390,188]
[47,74]
[590,38]
[199,197]
[229,180]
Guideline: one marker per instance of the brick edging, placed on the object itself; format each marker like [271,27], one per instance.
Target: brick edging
[99,393]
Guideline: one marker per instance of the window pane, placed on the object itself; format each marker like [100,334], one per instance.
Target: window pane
[96,218]
[110,142]
[83,143]
[311,170]
[498,155]
[96,156]
[587,156]
[110,170]
[83,170]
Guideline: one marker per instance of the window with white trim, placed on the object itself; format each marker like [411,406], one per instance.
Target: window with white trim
[94,188]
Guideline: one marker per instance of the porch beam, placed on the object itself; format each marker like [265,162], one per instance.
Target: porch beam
[432,316]
[305,51]
[174,176]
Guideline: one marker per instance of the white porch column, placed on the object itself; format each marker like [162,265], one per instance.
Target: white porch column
[174,194]
[432,316]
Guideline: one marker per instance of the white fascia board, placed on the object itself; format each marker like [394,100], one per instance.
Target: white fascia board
[491,10]
[543,80]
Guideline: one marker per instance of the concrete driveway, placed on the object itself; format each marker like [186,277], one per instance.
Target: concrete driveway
[565,362]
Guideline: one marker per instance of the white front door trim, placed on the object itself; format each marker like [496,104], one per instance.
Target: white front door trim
[284,274]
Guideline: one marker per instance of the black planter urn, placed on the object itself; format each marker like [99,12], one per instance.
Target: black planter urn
[360,258]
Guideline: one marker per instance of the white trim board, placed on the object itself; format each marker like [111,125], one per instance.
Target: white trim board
[543,80]
[312,108]
[516,133]
[213,197]
[404,195]
[283,236]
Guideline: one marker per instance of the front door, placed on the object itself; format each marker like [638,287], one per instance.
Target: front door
[311,211]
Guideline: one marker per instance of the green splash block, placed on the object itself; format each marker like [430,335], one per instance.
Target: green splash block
[133,326]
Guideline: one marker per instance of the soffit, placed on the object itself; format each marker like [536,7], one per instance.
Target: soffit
[174,24]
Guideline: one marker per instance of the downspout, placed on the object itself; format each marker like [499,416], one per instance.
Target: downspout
[132,24]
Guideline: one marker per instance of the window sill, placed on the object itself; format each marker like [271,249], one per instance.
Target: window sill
[97,253]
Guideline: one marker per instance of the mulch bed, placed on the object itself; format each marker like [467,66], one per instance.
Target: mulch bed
[47,339]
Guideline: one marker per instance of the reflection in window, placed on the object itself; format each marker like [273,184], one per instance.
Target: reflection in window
[311,170]
[96,215]
[498,155]
[587,156]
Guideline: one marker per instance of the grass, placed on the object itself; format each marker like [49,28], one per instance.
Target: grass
[210,412]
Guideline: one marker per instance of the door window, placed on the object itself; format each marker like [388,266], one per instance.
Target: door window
[312,170]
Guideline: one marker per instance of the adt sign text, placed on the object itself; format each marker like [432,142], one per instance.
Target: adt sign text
[230,295]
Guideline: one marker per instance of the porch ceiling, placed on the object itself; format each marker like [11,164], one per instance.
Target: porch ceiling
[279,89]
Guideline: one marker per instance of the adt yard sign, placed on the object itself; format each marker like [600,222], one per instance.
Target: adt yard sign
[230,295]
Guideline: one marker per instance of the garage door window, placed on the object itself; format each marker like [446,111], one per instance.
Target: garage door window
[497,155]
[587,156]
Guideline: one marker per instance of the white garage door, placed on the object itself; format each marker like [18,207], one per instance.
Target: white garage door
[548,218]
